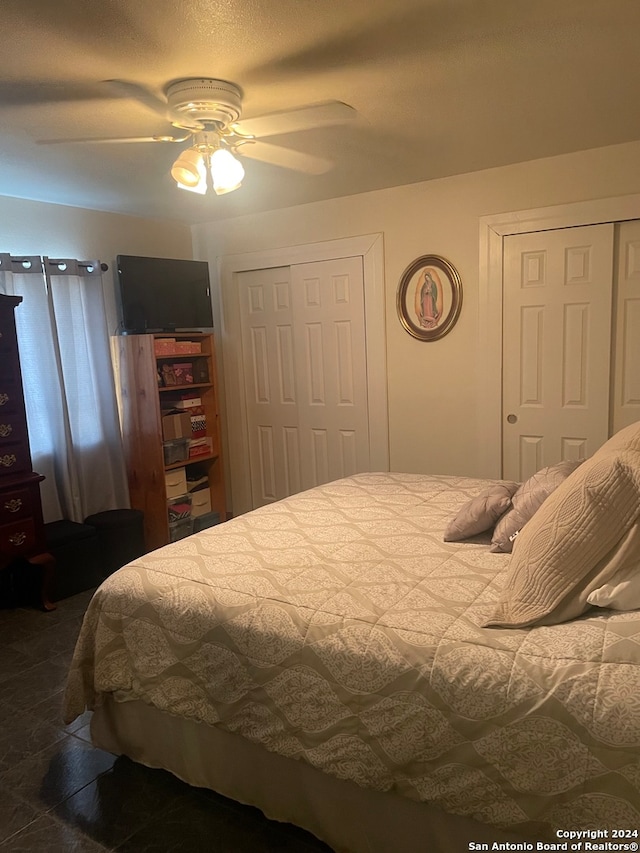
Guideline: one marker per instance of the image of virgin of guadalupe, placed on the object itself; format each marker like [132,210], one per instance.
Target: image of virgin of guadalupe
[429,299]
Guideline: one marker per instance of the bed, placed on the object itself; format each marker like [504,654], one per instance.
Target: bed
[324,658]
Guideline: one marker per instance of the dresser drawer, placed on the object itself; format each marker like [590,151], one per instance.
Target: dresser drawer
[10,398]
[12,427]
[18,538]
[9,367]
[15,505]
[14,458]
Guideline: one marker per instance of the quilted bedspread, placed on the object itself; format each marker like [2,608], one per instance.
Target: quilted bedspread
[336,627]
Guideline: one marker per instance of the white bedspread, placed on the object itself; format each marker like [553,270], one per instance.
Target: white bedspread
[336,627]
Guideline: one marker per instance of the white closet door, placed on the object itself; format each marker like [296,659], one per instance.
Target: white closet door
[328,299]
[304,356]
[556,346]
[626,386]
[271,394]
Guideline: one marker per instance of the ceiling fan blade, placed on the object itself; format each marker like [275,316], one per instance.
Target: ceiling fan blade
[276,155]
[113,139]
[149,99]
[291,121]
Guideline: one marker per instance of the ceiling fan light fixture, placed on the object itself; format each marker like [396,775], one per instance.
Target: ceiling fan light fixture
[189,168]
[200,188]
[227,172]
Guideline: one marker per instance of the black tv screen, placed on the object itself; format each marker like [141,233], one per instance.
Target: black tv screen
[163,294]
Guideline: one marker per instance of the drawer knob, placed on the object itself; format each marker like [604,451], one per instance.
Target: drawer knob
[18,538]
[13,505]
[8,460]
[5,430]
[4,398]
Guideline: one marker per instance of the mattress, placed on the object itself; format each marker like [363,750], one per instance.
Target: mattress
[337,628]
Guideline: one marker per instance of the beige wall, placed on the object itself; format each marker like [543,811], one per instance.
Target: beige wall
[433,419]
[35,228]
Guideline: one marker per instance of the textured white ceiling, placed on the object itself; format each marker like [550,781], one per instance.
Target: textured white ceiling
[441,87]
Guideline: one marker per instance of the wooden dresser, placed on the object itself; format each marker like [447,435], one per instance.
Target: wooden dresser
[22,532]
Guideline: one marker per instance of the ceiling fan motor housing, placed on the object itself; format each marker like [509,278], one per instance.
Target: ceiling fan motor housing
[206,100]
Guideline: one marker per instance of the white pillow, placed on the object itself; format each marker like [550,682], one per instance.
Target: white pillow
[585,532]
[622,592]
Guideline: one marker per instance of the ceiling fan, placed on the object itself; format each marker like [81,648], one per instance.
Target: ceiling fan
[208,112]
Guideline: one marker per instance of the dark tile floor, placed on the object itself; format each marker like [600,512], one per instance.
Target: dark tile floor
[59,793]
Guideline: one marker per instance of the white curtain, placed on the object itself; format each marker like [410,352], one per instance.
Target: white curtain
[69,390]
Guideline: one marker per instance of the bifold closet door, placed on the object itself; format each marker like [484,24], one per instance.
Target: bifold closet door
[626,383]
[305,375]
[557,342]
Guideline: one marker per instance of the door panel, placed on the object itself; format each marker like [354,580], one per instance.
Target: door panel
[270,384]
[556,346]
[328,299]
[626,390]
[303,346]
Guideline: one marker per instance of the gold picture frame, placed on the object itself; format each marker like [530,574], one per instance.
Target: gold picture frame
[429,298]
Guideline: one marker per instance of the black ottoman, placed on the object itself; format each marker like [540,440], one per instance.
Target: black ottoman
[121,536]
[76,550]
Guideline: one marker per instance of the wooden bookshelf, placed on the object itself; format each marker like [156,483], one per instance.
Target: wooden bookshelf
[140,371]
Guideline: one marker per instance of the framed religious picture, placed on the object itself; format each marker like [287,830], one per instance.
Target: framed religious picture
[429,298]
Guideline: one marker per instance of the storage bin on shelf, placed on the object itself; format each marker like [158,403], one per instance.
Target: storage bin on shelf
[164,346]
[175,450]
[179,508]
[180,529]
[200,502]
[177,425]
[170,346]
[202,522]
[175,482]
[187,348]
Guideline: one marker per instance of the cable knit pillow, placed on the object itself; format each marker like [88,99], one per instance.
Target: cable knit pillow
[527,501]
[586,531]
[480,513]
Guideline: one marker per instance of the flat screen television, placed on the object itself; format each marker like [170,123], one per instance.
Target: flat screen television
[163,294]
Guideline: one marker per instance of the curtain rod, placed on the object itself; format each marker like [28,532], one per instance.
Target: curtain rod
[30,263]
